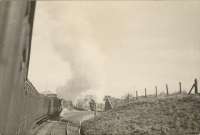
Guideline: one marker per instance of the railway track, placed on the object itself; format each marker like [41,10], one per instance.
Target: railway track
[68,124]
[57,128]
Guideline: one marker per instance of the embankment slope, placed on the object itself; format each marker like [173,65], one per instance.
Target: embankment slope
[173,115]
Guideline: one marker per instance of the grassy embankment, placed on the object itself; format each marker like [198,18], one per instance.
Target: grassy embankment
[173,115]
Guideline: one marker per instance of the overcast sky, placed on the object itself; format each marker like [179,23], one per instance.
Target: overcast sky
[114,47]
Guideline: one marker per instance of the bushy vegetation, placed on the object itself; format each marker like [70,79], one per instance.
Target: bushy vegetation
[173,115]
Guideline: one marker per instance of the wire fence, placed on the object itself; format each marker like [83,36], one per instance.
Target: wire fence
[192,90]
[111,102]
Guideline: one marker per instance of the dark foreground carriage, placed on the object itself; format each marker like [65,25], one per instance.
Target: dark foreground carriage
[21,106]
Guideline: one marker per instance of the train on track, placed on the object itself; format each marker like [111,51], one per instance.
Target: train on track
[38,107]
[21,105]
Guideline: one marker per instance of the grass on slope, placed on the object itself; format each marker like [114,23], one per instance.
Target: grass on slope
[176,115]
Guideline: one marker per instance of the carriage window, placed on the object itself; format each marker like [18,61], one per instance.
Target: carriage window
[24,55]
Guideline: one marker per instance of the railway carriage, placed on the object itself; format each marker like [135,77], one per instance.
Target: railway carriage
[20,103]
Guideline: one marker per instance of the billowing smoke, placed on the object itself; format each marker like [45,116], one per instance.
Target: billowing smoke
[73,40]
[86,70]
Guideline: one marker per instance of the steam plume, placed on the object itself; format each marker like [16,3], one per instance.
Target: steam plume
[73,42]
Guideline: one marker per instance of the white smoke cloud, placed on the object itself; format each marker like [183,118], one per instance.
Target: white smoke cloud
[86,70]
[73,42]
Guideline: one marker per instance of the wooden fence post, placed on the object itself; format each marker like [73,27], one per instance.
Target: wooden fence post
[95,111]
[156,90]
[136,94]
[180,88]
[128,98]
[196,86]
[167,90]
